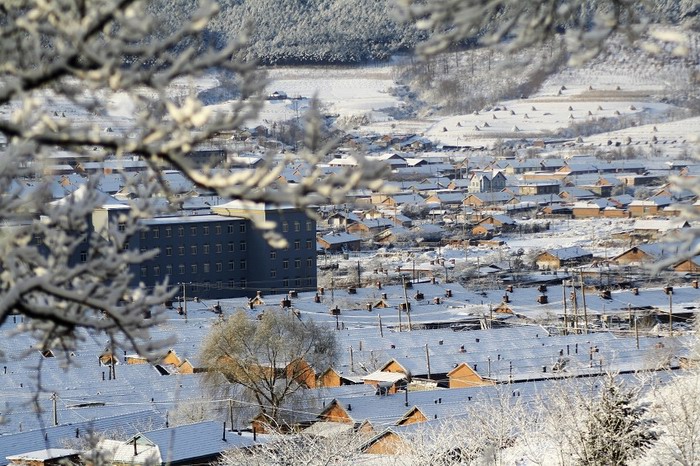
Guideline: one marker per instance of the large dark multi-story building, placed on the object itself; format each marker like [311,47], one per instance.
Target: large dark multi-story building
[223,255]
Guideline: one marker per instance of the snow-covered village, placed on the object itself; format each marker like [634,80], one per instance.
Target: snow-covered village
[382,232]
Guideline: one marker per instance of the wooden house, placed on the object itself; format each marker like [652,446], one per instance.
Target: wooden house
[535,188]
[503,222]
[488,199]
[45,457]
[650,253]
[485,229]
[651,206]
[339,242]
[562,257]
[388,382]
[464,376]
[388,442]
[370,227]
[333,378]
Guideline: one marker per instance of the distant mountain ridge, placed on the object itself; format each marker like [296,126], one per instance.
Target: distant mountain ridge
[304,31]
[339,31]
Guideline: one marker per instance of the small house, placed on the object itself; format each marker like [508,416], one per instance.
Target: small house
[554,259]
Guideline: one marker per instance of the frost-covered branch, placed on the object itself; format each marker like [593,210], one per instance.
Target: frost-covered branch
[114,80]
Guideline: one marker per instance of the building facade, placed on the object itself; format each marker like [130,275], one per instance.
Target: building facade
[223,255]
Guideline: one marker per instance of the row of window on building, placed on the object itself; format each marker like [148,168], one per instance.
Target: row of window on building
[218,267]
[218,230]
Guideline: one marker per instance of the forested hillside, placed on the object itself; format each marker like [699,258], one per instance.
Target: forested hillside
[305,31]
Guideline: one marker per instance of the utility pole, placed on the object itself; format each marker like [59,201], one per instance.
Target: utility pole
[55,411]
[427,358]
[359,281]
[405,301]
[670,312]
[575,304]
[583,296]
[381,329]
[184,299]
[566,323]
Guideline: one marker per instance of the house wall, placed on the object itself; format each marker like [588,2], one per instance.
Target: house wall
[375,383]
[329,379]
[615,213]
[547,261]
[389,444]
[302,373]
[171,358]
[336,414]
[643,210]
[136,360]
[481,231]
[687,266]
[415,417]
[585,212]
[394,366]
[633,256]
[186,368]
[464,376]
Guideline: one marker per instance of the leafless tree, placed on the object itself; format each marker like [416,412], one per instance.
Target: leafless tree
[272,358]
[677,409]
[301,449]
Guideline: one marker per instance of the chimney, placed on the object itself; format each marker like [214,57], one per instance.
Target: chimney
[448,293]
[542,299]
[668,289]
[223,437]
[384,296]
[436,300]
[419,296]
[461,349]
[369,307]
[379,285]
[321,290]
[352,290]
[317,298]
[635,291]
[509,288]
[695,284]
[258,294]
[506,298]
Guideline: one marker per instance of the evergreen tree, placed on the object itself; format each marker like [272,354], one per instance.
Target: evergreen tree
[617,429]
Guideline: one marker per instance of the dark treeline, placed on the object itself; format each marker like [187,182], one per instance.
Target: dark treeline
[303,31]
[342,31]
